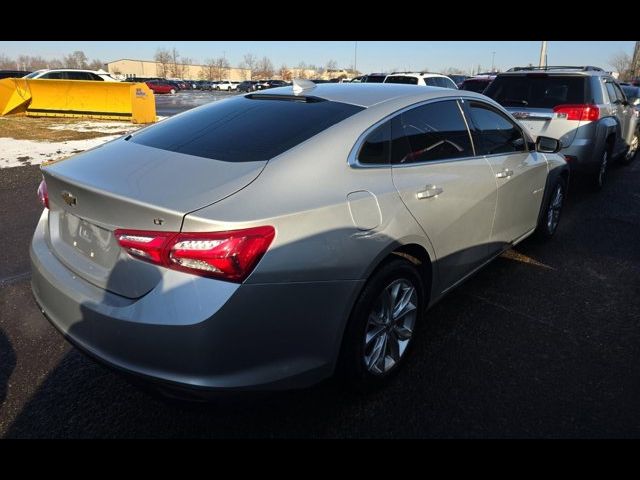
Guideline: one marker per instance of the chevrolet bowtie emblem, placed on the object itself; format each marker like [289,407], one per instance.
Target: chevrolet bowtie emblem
[69,199]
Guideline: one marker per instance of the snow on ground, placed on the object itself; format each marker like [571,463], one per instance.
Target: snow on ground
[18,153]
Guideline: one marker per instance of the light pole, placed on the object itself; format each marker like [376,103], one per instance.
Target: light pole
[543,54]
[493,61]
[355,58]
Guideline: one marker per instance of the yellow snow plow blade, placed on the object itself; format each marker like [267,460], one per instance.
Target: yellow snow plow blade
[78,98]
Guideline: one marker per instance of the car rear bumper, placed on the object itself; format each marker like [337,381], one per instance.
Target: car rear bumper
[203,334]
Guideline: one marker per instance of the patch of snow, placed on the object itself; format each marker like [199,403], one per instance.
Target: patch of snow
[18,153]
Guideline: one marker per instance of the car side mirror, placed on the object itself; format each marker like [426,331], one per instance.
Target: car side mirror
[547,145]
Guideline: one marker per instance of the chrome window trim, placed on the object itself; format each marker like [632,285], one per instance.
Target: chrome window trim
[352,158]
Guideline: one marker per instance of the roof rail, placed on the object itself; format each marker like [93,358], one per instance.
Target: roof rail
[584,68]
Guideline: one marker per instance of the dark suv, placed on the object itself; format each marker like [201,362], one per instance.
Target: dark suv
[583,107]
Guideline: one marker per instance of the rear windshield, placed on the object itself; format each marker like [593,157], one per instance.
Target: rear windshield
[475,85]
[242,129]
[537,91]
[402,79]
[376,78]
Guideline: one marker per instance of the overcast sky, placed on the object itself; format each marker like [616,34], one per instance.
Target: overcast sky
[371,56]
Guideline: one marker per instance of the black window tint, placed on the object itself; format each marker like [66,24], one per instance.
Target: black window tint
[619,92]
[475,85]
[375,78]
[55,76]
[537,90]
[402,79]
[93,76]
[494,132]
[76,76]
[611,91]
[432,81]
[435,131]
[375,149]
[244,129]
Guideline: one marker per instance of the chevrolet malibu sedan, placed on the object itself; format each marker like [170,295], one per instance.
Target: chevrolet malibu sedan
[270,240]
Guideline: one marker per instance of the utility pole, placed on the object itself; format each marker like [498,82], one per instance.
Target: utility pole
[635,63]
[543,54]
[493,62]
[355,58]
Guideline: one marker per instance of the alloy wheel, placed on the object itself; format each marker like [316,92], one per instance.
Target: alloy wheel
[555,206]
[390,326]
[603,168]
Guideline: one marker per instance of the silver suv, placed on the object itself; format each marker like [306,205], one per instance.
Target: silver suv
[583,107]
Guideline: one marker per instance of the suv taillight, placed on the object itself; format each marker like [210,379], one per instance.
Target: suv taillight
[43,194]
[230,255]
[578,112]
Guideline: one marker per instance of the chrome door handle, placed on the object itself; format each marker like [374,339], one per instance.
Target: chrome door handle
[429,192]
[504,173]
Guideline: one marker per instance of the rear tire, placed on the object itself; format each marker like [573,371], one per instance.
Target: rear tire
[550,215]
[379,334]
[633,149]
[601,173]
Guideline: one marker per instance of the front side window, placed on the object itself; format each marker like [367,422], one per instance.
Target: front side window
[431,132]
[494,132]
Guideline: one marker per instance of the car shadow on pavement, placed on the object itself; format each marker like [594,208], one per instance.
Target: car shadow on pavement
[7,364]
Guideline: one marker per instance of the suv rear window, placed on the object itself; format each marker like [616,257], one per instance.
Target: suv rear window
[537,90]
[244,129]
[477,86]
[402,79]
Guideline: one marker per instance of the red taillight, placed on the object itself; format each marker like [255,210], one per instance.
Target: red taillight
[43,194]
[229,255]
[578,112]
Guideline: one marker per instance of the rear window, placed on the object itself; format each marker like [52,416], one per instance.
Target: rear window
[376,78]
[537,91]
[243,129]
[477,86]
[402,79]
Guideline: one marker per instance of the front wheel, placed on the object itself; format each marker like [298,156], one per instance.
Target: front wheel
[381,327]
[633,149]
[550,217]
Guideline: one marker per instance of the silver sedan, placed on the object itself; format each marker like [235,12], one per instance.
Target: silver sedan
[273,239]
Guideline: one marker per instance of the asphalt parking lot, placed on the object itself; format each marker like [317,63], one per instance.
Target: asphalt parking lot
[544,342]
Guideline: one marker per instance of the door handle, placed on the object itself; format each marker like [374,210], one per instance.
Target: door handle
[429,192]
[504,173]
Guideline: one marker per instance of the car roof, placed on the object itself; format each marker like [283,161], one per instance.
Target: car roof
[416,74]
[561,70]
[369,94]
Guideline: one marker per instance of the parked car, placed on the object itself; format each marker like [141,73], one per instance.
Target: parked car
[458,79]
[271,84]
[159,86]
[167,255]
[370,78]
[421,78]
[477,83]
[632,93]
[246,86]
[71,74]
[13,73]
[582,106]
[226,85]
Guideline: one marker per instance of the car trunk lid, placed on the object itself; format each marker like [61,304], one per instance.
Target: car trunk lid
[132,186]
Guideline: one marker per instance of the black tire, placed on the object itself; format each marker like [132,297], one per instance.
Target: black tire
[632,153]
[551,210]
[352,368]
[600,173]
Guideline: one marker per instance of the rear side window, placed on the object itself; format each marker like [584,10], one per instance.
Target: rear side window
[55,76]
[537,90]
[432,82]
[477,86]
[244,129]
[375,78]
[494,132]
[435,131]
[375,149]
[402,79]
[611,91]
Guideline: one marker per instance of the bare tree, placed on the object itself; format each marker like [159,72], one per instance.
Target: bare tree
[285,73]
[249,62]
[163,59]
[208,72]
[175,68]
[331,65]
[185,71]
[55,63]
[453,71]
[264,68]
[76,60]
[6,63]
[96,64]
[220,68]
[301,70]
[621,62]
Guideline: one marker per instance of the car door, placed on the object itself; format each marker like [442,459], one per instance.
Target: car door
[621,112]
[520,174]
[627,115]
[447,189]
